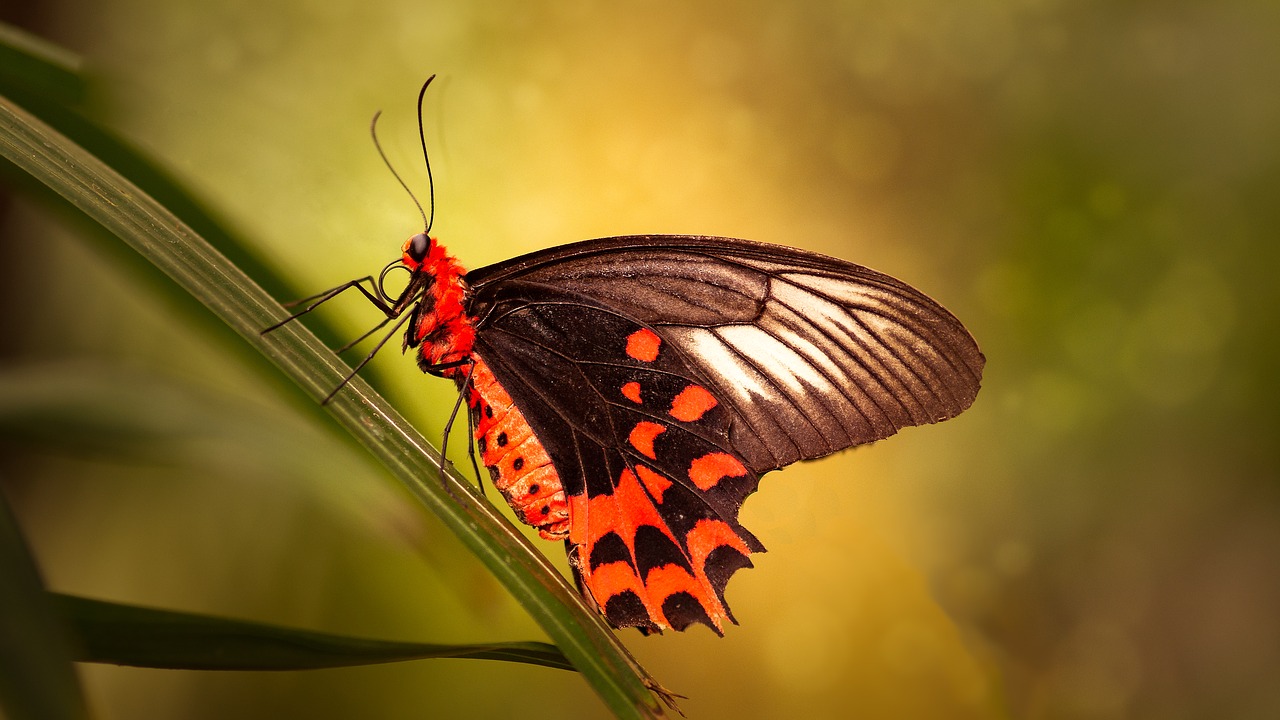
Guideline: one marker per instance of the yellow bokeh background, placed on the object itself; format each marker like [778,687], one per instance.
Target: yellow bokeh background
[1091,187]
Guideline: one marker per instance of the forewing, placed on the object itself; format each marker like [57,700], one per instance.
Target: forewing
[809,354]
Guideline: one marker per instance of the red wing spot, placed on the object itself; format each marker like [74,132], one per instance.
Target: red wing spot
[653,482]
[668,580]
[710,469]
[642,436]
[643,345]
[707,535]
[614,579]
[631,391]
[692,403]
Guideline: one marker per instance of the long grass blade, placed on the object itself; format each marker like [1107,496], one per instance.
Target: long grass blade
[173,247]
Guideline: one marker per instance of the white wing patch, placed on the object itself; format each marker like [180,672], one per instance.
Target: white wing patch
[828,363]
[775,357]
[872,332]
[710,351]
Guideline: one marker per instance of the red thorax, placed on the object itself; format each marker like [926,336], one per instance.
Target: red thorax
[443,331]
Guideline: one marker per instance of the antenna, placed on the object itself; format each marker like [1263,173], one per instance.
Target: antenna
[427,220]
[422,136]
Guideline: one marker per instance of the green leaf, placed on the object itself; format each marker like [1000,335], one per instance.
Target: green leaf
[37,679]
[42,79]
[119,634]
[38,65]
[172,246]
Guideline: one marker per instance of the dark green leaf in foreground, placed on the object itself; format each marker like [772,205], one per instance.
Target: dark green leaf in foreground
[144,637]
[37,679]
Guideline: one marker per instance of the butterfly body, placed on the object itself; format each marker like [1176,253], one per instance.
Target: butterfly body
[628,393]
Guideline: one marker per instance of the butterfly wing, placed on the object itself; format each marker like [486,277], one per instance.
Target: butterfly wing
[665,374]
[641,449]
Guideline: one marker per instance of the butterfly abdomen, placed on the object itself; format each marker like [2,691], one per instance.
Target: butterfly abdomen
[517,461]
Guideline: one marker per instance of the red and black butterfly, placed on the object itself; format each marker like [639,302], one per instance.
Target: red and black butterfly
[628,393]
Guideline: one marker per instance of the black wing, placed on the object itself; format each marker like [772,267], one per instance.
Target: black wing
[665,374]
[813,354]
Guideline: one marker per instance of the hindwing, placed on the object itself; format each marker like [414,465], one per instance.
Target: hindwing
[643,452]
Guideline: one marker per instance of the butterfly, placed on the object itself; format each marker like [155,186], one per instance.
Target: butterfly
[626,394]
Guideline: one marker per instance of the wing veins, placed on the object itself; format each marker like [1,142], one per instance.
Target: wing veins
[931,340]
[768,378]
[622,447]
[839,386]
[919,330]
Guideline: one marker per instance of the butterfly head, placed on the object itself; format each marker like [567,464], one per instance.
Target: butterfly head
[417,249]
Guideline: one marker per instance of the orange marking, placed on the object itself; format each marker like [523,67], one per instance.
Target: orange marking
[707,471]
[665,581]
[642,436]
[623,512]
[614,578]
[702,540]
[634,506]
[670,578]
[653,482]
[578,521]
[692,403]
[643,345]
[631,391]
[706,536]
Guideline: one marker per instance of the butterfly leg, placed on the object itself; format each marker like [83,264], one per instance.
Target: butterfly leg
[471,452]
[448,429]
[363,337]
[367,358]
[372,293]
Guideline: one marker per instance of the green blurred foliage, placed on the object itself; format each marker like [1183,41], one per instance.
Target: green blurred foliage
[1091,187]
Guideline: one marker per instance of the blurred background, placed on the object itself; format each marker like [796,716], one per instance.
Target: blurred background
[1091,187]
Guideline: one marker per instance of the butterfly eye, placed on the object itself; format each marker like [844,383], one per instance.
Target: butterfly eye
[419,245]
